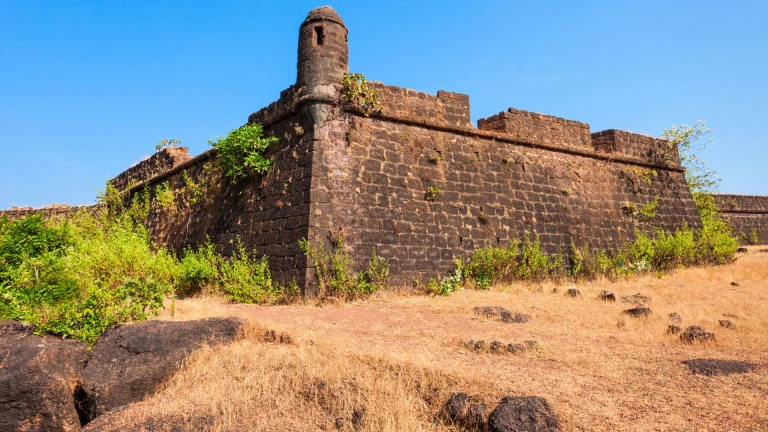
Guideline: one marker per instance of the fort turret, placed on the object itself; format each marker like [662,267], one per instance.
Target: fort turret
[322,63]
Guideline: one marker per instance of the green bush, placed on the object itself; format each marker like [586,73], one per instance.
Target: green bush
[334,274]
[246,279]
[522,260]
[242,153]
[75,278]
[198,270]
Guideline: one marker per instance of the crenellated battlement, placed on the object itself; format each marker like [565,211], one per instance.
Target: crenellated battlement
[539,127]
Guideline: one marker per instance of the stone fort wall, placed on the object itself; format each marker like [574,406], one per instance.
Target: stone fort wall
[747,214]
[416,181]
[517,173]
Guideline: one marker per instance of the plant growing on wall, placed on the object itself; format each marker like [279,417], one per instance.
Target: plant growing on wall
[167,143]
[431,193]
[241,154]
[356,91]
[647,211]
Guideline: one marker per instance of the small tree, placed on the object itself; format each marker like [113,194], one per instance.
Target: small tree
[690,142]
[715,240]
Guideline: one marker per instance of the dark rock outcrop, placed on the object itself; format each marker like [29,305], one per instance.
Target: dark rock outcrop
[523,414]
[638,312]
[573,292]
[673,329]
[695,334]
[460,410]
[503,314]
[129,361]
[607,296]
[726,324]
[38,378]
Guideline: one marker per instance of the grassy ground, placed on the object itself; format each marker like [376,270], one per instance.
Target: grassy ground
[398,358]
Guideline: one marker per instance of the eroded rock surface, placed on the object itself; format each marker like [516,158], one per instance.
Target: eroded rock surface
[523,414]
[130,361]
[38,377]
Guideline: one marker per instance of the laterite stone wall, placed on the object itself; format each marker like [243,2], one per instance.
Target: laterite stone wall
[747,214]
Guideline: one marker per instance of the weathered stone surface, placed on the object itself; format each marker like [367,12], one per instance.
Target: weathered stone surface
[129,361]
[523,414]
[460,410]
[503,314]
[694,334]
[726,324]
[638,312]
[38,378]
[712,367]
[607,296]
[748,215]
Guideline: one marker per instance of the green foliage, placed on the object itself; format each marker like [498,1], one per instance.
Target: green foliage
[193,189]
[432,193]
[121,204]
[198,270]
[647,211]
[660,251]
[690,141]
[167,143]
[242,153]
[356,91]
[246,279]
[522,260]
[334,273]
[76,278]
[165,196]
[447,284]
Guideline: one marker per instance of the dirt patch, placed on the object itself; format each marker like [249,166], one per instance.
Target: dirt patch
[713,367]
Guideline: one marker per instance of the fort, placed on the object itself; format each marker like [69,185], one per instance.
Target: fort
[416,181]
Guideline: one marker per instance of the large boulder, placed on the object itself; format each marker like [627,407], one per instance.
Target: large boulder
[523,414]
[38,378]
[130,361]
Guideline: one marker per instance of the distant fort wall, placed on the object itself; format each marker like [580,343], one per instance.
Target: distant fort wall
[747,214]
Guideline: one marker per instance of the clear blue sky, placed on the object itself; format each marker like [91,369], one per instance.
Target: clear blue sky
[88,87]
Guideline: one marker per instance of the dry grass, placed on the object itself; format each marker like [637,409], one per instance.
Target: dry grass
[399,357]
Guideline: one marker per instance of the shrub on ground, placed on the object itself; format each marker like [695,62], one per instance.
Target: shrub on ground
[335,276]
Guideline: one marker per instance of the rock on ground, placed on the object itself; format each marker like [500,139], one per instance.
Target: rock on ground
[638,311]
[712,367]
[696,334]
[130,361]
[523,414]
[502,313]
[607,296]
[38,378]
[460,410]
